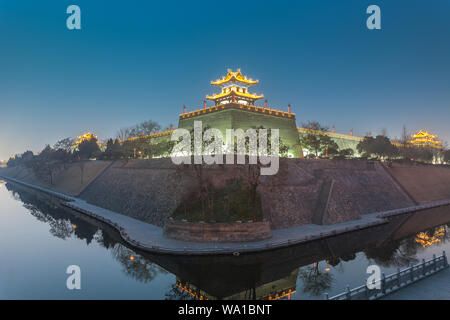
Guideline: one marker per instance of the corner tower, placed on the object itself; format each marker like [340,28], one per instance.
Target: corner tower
[234,89]
[234,108]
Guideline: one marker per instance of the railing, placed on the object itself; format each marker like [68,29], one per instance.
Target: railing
[395,281]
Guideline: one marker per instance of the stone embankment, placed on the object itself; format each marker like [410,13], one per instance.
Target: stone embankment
[217,232]
[150,190]
[71,178]
[150,238]
[305,191]
[424,183]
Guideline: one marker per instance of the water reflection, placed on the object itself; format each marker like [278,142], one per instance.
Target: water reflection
[136,266]
[304,271]
[315,281]
[65,223]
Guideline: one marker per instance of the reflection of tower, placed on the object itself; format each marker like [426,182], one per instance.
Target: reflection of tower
[278,289]
[425,239]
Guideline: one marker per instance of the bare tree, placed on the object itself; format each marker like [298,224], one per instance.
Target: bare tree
[123,133]
[405,136]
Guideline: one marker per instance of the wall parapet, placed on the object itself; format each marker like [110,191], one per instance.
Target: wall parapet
[237,106]
[217,232]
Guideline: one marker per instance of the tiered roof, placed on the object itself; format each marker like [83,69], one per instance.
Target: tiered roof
[425,139]
[234,78]
[234,89]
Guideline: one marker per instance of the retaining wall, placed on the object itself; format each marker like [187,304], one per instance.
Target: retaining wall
[150,190]
[71,178]
[217,232]
[425,183]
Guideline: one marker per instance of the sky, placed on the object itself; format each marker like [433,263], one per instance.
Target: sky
[134,61]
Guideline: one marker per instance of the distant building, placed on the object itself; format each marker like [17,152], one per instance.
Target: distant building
[424,139]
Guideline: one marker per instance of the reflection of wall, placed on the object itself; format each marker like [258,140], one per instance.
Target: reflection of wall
[424,220]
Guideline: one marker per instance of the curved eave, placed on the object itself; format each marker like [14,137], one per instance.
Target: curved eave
[243,82]
[238,94]
[423,134]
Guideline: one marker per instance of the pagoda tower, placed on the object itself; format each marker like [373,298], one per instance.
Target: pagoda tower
[234,89]
[425,139]
[234,108]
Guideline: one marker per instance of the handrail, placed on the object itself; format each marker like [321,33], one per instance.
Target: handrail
[395,281]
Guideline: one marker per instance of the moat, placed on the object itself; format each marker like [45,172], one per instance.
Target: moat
[39,239]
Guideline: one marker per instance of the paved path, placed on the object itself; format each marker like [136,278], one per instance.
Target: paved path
[150,237]
[435,287]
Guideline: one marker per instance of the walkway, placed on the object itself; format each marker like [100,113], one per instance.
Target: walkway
[150,238]
[436,287]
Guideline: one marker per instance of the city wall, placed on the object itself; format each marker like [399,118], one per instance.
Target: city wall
[304,191]
[244,117]
[217,232]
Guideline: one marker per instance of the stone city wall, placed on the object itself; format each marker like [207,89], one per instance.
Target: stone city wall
[304,191]
[217,232]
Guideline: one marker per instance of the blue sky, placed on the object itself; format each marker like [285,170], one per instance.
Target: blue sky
[136,60]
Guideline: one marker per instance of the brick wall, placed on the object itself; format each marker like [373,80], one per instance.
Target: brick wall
[217,232]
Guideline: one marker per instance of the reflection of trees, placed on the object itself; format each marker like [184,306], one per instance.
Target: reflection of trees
[138,268]
[314,281]
[348,257]
[333,261]
[60,228]
[396,253]
[401,253]
[176,293]
[63,224]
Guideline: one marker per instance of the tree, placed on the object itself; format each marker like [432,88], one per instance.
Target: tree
[346,152]
[446,156]
[317,141]
[405,137]
[123,134]
[88,149]
[46,164]
[144,128]
[424,154]
[64,144]
[113,150]
[380,146]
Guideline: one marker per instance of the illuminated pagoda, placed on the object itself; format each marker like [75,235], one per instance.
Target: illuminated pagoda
[234,89]
[234,108]
[425,139]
